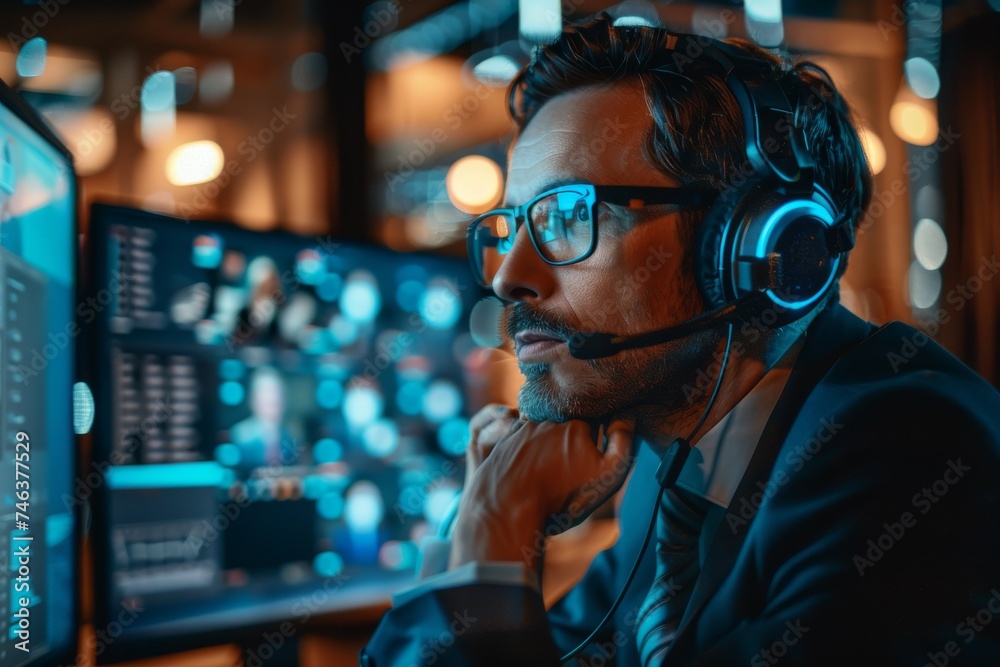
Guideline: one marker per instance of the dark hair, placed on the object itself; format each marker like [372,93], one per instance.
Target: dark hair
[697,133]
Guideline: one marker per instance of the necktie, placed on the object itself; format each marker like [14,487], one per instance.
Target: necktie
[678,526]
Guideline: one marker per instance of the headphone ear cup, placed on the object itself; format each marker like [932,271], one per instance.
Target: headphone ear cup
[707,247]
[712,240]
[782,250]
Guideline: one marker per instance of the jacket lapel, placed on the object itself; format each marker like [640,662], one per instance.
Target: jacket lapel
[831,335]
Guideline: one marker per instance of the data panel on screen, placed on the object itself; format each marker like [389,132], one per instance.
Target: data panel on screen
[282,412]
[37,367]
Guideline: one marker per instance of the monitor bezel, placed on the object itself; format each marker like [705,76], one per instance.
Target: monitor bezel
[145,645]
[26,113]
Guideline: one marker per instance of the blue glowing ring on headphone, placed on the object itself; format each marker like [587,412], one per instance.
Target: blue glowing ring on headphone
[791,210]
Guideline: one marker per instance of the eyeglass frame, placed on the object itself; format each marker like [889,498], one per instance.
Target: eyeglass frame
[620,195]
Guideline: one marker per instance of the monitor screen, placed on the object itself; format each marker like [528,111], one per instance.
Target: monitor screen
[280,420]
[38,333]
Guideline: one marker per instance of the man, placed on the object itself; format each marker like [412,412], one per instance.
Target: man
[263,438]
[837,508]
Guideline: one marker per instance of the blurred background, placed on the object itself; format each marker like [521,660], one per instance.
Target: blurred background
[386,122]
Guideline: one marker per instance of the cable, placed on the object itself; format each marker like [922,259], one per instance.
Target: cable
[628,582]
[656,510]
[718,383]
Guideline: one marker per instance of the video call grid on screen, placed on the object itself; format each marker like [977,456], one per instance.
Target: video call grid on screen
[274,412]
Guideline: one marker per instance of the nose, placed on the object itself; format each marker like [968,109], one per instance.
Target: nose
[523,275]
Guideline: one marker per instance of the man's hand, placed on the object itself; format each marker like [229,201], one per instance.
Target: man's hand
[491,423]
[537,476]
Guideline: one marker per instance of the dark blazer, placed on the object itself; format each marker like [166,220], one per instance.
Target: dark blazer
[866,531]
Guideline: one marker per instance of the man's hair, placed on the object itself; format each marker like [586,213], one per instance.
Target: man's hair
[697,135]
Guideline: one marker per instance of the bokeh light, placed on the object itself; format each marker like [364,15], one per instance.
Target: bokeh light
[362,406]
[309,267]
[329,393]
[409,397]
[925,286]
[327,450]
[31,58]
[453,436]
[873,147]
[440,307]
[361,301]
[922,77]
[380,438]
[231,393]
[365,507]
[540,21]
[228,455]
[930,246]
[441,401]
[195,162]
[158,91]
[313,487]
[83,408]
[206,251]
[914,120]
[496,70]
[328,564]
[474,183]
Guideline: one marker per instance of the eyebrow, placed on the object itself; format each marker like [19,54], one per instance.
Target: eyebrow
[550,185]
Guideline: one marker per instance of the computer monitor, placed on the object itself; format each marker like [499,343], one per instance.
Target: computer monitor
[280,421]
[38,332]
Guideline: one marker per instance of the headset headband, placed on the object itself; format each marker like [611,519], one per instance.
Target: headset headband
[773,146]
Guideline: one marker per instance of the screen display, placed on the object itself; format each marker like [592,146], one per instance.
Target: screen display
[282,414]
[38,333]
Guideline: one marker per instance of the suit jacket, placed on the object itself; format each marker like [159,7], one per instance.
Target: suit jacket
[866,530]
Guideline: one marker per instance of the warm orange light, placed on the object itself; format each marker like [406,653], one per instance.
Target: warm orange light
[196,162]
[474,183]
[89,134]
[912,118]
[874,149]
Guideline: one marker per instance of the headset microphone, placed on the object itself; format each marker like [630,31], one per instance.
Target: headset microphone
[597,345]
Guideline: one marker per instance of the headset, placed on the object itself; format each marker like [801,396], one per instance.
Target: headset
[773,241]
[779,234]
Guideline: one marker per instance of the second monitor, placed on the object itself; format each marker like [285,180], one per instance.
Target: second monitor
[276,415]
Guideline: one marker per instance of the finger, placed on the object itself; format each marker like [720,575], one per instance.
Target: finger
[488,436]
[492,432]
[488,414]
[618,455]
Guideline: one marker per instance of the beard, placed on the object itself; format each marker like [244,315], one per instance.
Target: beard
[654,382]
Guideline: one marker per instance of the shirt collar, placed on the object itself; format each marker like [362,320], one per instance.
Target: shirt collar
[719,459]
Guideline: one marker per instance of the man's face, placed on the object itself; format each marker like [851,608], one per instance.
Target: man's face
[633,283]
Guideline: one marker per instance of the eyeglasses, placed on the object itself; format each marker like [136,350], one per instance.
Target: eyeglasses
[562,222]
